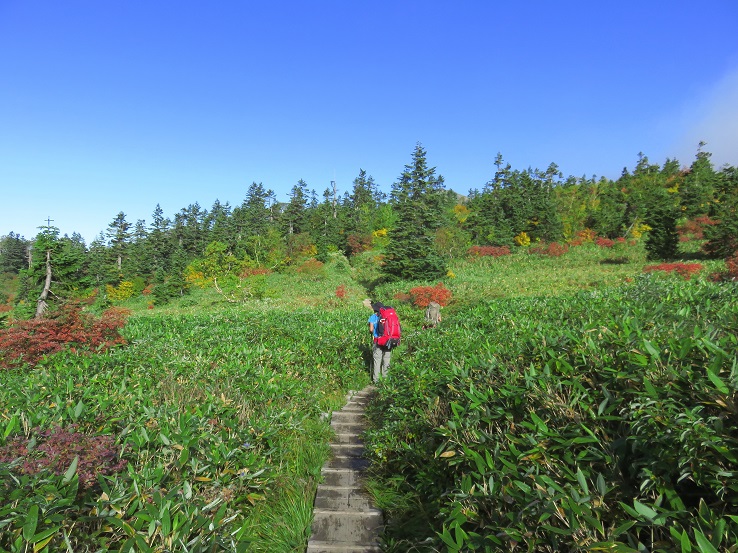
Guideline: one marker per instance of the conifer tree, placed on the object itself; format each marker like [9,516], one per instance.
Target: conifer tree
[418,200]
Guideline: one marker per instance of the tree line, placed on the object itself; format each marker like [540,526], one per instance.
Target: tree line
[418,227]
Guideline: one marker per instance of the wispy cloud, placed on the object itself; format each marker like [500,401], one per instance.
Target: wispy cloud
[714,120]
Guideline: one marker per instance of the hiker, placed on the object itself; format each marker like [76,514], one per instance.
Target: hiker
[432,315]
[380,354]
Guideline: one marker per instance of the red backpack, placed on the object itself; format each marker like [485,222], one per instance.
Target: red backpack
[388,328]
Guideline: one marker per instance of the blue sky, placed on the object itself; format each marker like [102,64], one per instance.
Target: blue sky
[109,106]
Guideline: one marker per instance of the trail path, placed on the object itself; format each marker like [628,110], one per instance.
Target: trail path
[344,519]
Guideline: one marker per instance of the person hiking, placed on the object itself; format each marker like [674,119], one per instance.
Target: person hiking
[432,315]
[381,354]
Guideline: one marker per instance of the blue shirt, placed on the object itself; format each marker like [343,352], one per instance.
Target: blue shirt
[374,319]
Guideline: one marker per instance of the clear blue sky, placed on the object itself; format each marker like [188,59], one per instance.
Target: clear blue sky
[120,105]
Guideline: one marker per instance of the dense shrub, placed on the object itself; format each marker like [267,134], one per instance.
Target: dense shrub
[597,422]
[26,342]
[423,295]
[684,269]
[56,449]
[488,251]
[554,249]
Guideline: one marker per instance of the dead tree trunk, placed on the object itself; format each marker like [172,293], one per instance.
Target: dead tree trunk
[41,304]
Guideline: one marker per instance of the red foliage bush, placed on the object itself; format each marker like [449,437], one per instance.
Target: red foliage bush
[693,229]
[488,251]
[554,249]
[684,269]
[423,295]
[28,341]
[605,242]
[310,267]
[253,271]
[731,270]
[341,292]
[56,449]
[358,243]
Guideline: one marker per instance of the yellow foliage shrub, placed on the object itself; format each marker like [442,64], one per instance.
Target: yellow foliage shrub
[121,292]
[522,239]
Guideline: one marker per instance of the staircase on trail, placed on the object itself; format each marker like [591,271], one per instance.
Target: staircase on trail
[344,519]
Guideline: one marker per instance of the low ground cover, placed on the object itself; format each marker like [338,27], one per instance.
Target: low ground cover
[218,417]
[603,420]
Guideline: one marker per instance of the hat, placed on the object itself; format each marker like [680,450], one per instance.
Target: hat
[377,305]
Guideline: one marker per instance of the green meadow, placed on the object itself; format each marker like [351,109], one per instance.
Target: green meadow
[565,403]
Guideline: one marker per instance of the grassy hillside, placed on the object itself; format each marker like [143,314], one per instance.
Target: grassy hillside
[216,405]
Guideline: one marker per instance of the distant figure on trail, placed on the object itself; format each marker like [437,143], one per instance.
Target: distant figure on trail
[384,327]
[432,315]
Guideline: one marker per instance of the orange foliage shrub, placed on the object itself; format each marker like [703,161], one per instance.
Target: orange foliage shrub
[488,251]
[253,271]
[423,295]
[604,242]
[29,341]
[554,249]
[684,269]
[310,267]
[341,292]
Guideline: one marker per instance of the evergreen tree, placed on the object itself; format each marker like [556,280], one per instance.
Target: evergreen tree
[119,236]
[661,214]
[698,189]
[160,241]
[418,201]
[293,216]
[722,238]
[13,253]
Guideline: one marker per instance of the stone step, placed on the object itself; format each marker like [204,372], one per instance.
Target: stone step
[337,477]
[347,462]
[348,438]
[347,450]
[347,428]
[321,547]
[346,527]
[355,417]
[335,498]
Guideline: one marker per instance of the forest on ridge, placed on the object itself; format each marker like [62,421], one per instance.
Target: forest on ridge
[411,234]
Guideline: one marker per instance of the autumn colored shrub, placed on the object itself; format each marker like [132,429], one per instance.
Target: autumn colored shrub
[341,292]
[554,249]
[254,271]
[423,295]
[310,267]
[694,229]
[731,270]
[28,341]
[358,243]
[488,251]
[604,242]
[522,239]
[56,449]
[686,270]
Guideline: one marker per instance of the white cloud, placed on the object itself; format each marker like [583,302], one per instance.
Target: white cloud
[714,120]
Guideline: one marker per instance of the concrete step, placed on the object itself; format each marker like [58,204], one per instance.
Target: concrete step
[355,417]
[344,519]
[346,527]
[340,498]
[347,450]
[348,438]
[347,427]
[320,547]
[337,477]
[346,462]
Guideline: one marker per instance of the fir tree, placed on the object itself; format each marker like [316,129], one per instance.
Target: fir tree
[418,202]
